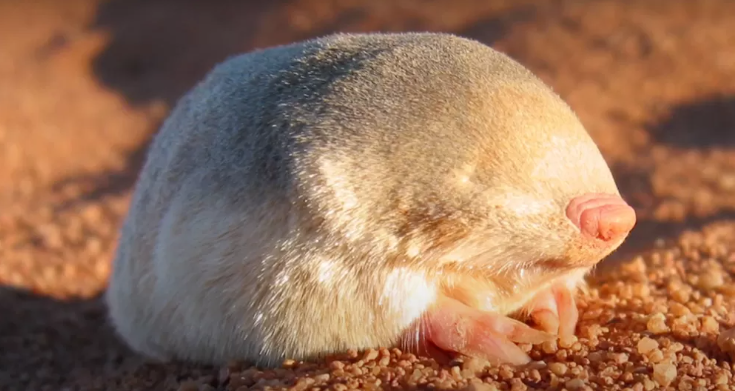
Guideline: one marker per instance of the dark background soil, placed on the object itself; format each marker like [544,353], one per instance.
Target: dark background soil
[85,83]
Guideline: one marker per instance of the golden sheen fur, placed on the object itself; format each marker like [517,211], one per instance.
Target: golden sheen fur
[319,196]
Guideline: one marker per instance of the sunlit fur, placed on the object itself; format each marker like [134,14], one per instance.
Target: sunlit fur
[320,196]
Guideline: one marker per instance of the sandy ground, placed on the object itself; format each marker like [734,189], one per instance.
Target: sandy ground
[85,83]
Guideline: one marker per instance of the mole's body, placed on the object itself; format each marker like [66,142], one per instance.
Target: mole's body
[360,191]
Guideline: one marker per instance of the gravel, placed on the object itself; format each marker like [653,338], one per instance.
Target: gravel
[85,84]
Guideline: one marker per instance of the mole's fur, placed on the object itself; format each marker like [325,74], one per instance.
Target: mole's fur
[311,198]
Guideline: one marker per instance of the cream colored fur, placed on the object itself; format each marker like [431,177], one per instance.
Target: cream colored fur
[306,199]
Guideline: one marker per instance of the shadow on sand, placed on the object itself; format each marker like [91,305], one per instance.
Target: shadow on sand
[74,346]
[705,123]
[54,330]
[158,50]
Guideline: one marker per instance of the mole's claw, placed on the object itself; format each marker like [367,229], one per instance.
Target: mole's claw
[455,327]
[555,310]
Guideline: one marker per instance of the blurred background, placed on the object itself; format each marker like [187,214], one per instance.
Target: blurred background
[84,84]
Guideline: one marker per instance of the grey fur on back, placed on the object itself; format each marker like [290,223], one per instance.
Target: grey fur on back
[344,148]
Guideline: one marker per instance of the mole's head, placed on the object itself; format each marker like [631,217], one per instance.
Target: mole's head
[460,155]
[532,191]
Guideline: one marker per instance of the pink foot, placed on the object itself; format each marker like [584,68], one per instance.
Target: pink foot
[555,311]
[455,328]
[603,216]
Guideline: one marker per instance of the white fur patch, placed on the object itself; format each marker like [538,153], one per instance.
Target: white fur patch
[327,272]
[462,176]
[548,165]
[575,278]
[408,294]
[525,205]
[282,278]
[339,184]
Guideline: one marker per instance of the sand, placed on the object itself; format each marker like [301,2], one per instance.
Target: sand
[85,83]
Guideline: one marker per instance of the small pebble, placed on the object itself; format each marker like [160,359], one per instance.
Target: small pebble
[549,347]
[567,341]
[655,355]
[575,384]
[726,342]
[370,355]
[480,387]
[664,373]
[711,279]
[709,325]
[646,345]
[657,323]
[557,368]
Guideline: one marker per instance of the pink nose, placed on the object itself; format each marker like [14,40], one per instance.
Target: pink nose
[603,216]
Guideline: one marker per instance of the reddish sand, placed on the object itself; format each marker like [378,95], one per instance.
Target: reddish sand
[85,83]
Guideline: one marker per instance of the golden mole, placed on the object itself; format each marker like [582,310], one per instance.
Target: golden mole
[359,191]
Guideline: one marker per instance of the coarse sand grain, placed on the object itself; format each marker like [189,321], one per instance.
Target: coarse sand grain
[85,83]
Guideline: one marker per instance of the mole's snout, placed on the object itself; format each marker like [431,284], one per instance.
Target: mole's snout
[603,216]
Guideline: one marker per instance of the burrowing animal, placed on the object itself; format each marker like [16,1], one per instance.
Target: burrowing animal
[358,191]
